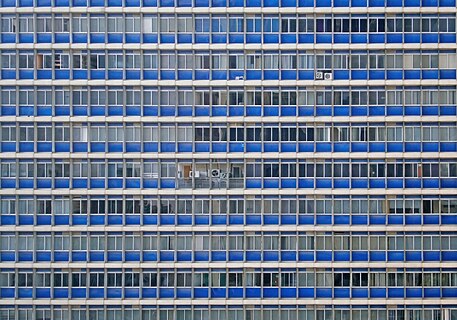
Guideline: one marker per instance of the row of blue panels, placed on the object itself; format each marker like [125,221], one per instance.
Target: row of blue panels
[230,256]
[220,38]
[249,219]
[231,292]
[250,183]
[229,3]
[227,75]
[215,147]
[231,111]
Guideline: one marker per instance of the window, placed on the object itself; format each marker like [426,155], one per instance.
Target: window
[26,23]
[8,24]
[8,60]
[79,23]
[97,23]
[149,23]
[167,24]
[132,24]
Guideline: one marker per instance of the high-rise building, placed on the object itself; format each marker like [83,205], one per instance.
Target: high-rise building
[228,160]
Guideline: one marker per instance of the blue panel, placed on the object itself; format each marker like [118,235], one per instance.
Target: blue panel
[341,292]
[413,256]
[235,292]
[359,256]
[359,219]
[60,293]
[79,219]
[270,256]
[79,256]
[25,293]
[114,256]
[96,293]
[288,256]
[149,256]
[341,256]
[323,293]
[167,256]
[306,256]
[449,292]
[449,256]
[270,292]
[413,219]
[448,38]
[306,292]
[395,293]
[167,219]
[236,255]
[218,256]
[253,256]
[43,256]
[97,256]
[324,256]
[149,293]
[341,219]
[378,293]
[394,75]
[377,256]
[7,293]
[449,219]
[201,293]
[114,292]
[253,293]
[25,256]
[8,183]
[201,256]
[183,293]
[26,219]
[131,293]
[78,292]
[7,256]
[432,292]
[341,111]
[359,293]
[323,38]
[270,147]
[340,75]
[412,37]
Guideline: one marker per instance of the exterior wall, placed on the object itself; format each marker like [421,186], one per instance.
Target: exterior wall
[228,160]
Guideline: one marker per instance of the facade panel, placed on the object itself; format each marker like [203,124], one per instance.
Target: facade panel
[219,160]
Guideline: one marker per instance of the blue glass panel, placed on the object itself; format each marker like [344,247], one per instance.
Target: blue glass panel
[25,293]
[306,292]
[253,293]
[377,293]
[270,292]
[200,293]
[323,293]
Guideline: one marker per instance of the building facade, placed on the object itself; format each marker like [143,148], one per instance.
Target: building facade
[228,159]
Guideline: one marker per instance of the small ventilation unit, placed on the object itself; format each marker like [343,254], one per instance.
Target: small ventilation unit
[319,75]
[328,76]
[215,173]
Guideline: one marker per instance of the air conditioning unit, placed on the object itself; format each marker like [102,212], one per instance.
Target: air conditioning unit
[319,75]
[328,76]
[239,78]
[215,173]
[194,174]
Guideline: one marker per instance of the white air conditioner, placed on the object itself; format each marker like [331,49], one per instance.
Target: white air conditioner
[328,76]
[194,174]
[215,173]
[239,78]
[319,75]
